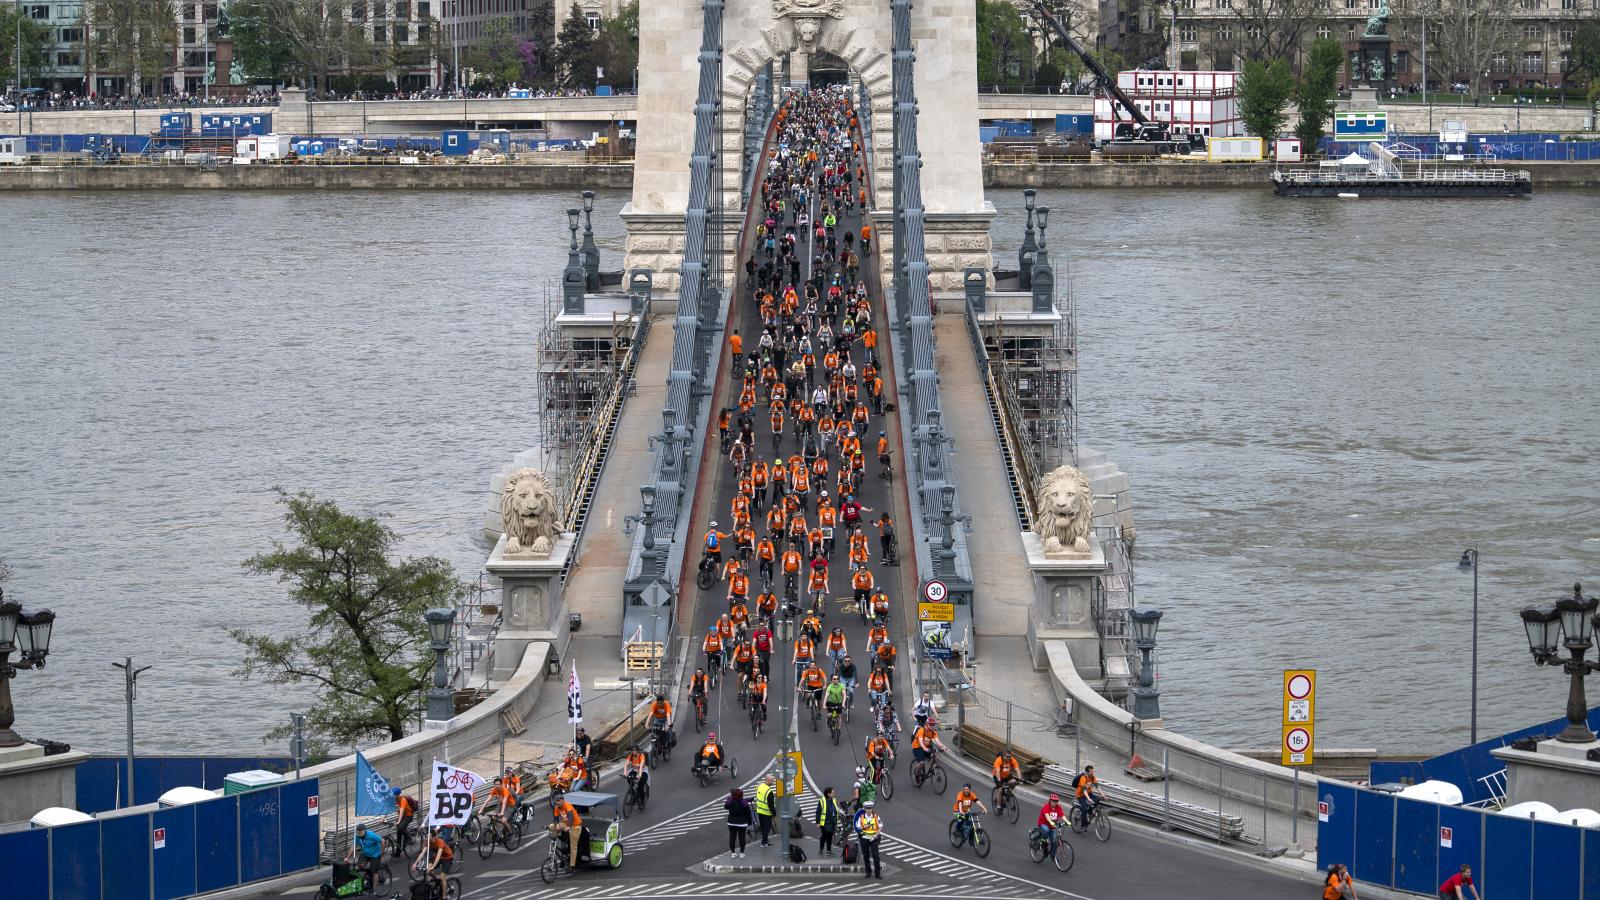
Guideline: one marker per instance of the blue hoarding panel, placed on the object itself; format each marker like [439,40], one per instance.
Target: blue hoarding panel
[1505,874]
[300,830]
[96,782]
[173,862]
[25,860]
[1591,862]
[1466,842]
[157,775]
[1336,837]
[125,857]
[216,850]
[1416,845]
[1556,873]
[1374,857]
[75,861]
[259,815]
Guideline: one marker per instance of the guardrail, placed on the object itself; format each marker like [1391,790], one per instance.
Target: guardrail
[1019,467]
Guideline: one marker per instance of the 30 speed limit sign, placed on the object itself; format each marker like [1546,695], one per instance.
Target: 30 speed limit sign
[935,592]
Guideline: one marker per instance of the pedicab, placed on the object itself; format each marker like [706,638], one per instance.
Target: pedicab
[600,837]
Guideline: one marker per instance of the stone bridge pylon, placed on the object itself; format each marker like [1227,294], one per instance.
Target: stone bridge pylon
[791,33]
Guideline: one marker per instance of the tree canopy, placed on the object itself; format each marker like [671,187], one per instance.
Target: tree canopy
[364,647]
[34,37]
[1317,89]
[1005,49]
[1263,91]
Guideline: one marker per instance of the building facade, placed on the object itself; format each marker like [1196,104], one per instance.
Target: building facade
[1222,34]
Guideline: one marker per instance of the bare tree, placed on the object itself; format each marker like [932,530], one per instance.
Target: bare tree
[1464,36]
[320,34]
[1274,29]
[137,39]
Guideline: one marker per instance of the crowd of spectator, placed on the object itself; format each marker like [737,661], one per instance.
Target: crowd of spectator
[270,97]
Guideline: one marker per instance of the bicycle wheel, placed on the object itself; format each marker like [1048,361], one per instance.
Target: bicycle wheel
[1036,847]
[547,871]
[414,870]
[486,846]
[755,727]
[886,786]
[453,889]
[1013,810]
[324,893]
[957,836]
[513,839]
[833,728]
[1102,826]
[699,720]
[1075,817]
[380,883]
[704,578]
[918,776]
[630,801]
[1064,856]
[938,779]
[980,840]
[473,830]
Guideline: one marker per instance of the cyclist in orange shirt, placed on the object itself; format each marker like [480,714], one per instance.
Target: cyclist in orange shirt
[738,586]
[863,583]
[804,655]
[775,517]
[766,555]
[758,480]
[767,604]
[859,554]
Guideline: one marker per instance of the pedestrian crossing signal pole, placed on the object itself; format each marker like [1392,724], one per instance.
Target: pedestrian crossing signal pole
[786,744]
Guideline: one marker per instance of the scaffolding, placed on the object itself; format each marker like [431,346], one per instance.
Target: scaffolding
[1035,366]
[578,370]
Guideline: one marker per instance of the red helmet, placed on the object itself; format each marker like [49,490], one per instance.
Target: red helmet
[1055,798]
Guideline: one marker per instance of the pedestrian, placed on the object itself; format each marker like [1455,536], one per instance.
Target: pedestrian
[1338,886]
[827,821]
[1457,885]
[740,819]
[765,795]
[868,826]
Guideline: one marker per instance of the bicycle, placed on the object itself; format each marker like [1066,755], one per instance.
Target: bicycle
[707,575]
[758,719]
[352,881]
[452,888]
[967,827]
[637,796]
[1097,818]
[1004,799]
[929,771]
[1057,848]
[833,724]
[886,470]
[498,831]
[812,704]
[660,746]
[699,712]
[884,780]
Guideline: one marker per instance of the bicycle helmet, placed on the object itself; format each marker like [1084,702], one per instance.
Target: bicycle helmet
[967,786]
[397,792]
[711,735]
[869,804]
[1055,798]
[880,729]
[860,772]
[713,524]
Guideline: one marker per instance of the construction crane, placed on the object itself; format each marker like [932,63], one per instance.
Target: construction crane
[1139,133]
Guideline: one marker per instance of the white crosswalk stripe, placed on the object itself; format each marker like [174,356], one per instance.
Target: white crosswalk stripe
[778,887]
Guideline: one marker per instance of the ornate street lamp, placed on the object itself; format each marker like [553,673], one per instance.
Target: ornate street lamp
[1570,625]
[591,253]
[574,281]
[1043,277]
[28,635]
[440,623]
[1029,245]
[1469,563]
[1146,697]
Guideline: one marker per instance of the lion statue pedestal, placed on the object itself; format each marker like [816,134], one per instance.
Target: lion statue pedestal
[1066,559]
[528,559]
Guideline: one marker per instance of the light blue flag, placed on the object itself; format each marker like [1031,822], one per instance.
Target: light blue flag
[373,796]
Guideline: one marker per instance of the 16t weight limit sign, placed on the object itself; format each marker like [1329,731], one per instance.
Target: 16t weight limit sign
[1299,716]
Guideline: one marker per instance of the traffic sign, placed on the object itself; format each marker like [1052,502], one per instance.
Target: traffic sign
[1298,745]
[1299,696]
[935,592]
[936,612]
[789,768]
[159,838]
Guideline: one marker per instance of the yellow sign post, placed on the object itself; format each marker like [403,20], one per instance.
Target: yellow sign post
[936,612]
[1299,716]
[789,768]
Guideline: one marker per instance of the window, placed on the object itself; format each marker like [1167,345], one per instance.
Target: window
[1566,61]
[1189,5]
[402,10]
[424,10]
[423,32]
[39,12]
[67,58]
[75,35]
[1402,62]
[402,34]
[594,20]
[1224,4]
[1500,63]
[1324,32]
[380,34]
[209,13]
[1533,32]
[1350,33]
[1568,33]
[188,34]
[1533,62]
[1569,4]
[380,10]
[358,11]
[1186,34]
[1224,33]
[194,59]
[1351,4]
[188,12]
[1253,32]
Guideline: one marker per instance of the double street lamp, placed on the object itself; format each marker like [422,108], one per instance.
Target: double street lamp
[441,620]
[26,634]
[1568,625]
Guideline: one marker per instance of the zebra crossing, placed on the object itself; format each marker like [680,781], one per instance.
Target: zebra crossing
[771,887]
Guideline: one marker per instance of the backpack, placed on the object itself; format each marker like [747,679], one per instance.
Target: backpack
[1077,781]
[847,854]
[423,890]
[797,853]
[796,830]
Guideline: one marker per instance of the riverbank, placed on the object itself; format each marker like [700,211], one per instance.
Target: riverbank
[357,176]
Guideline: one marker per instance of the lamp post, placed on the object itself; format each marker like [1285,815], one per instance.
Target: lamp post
[1469,563]
[591,253]
[1569,624]
[1146,697]
[440,621]
[28,635]
[787,700]
[574,280]
[1042,280]
[1025,252]
[130,692]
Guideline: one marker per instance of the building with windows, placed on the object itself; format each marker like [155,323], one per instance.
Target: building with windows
[63,23]
[1221,34]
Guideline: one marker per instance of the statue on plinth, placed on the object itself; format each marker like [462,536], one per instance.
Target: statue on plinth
[528,512]
[1065,512]
[1378,24]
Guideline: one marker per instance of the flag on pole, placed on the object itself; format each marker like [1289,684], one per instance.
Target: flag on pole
[574,696]
[373,796]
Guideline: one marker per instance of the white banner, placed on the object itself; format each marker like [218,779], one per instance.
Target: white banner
[574,696]
[451,789]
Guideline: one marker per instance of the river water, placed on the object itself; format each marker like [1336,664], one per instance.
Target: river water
[1320,405]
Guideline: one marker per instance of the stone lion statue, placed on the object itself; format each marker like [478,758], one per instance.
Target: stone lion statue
[1065,512]
[528,511]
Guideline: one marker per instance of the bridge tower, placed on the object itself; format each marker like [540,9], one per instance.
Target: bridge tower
[856,32]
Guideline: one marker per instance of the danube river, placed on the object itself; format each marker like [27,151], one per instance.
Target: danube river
[1320,405]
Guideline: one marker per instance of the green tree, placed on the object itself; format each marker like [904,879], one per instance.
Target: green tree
[1583,61]
[34,39]
[494,53]
[619,44]
[575,51]
[263,50]
[1317,89]
[137,39]
[1264,91]
[317,36]
[364,646]
[1005,50]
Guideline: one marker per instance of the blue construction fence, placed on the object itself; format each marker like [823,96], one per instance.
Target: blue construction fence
[166,853]
[1505,147]
[1411,845]
[102,781]
[1463,768]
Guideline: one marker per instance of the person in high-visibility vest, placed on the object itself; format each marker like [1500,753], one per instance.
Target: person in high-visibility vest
[868,827]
